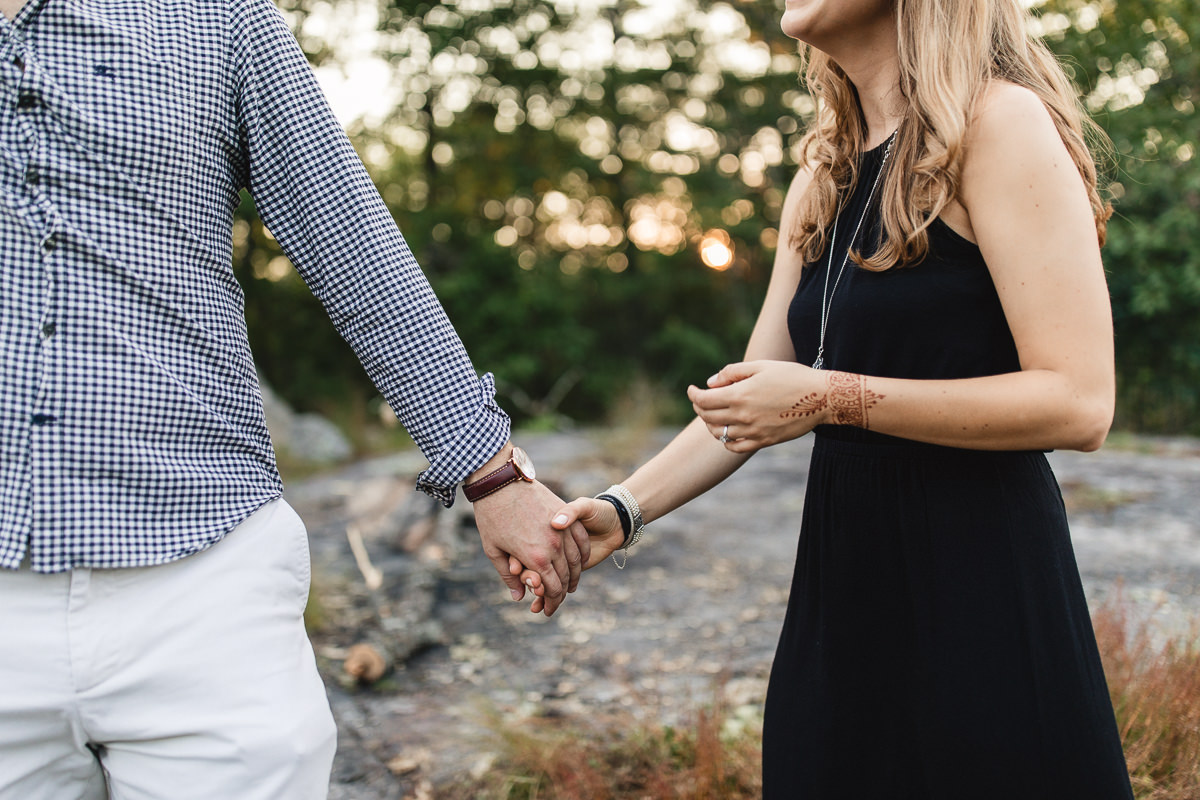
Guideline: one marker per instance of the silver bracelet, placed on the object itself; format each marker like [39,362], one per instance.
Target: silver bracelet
[637,527]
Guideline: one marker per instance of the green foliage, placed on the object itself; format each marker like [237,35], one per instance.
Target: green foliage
[1139,63]
[531,192]
[556,170]
[531,185]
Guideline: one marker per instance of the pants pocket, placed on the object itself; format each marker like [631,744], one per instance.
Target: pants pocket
[299,556]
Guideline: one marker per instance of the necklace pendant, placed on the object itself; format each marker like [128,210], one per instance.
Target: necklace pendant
[819,363]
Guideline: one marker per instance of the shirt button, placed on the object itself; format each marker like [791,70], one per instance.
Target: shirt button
[27,100]
[19,63]
[49,329]
[43,419]
[33,176]
[49,244]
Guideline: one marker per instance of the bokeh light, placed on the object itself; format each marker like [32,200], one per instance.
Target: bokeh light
[716,250]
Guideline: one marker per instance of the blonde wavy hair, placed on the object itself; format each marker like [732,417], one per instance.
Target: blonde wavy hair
[949,50]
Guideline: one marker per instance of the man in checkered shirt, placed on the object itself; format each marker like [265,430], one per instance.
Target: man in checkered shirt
[152,580]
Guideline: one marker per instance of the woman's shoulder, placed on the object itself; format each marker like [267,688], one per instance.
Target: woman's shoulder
[1010,117]
[1001,96]
[1011,132]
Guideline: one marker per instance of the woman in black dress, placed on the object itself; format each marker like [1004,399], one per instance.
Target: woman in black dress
[938,314]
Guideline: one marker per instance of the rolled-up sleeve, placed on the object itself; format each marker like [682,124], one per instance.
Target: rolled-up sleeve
[316,198]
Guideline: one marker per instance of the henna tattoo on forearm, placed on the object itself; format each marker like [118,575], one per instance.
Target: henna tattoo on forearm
[847,398]
[850,399]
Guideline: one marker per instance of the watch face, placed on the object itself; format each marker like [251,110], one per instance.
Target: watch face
[523,464]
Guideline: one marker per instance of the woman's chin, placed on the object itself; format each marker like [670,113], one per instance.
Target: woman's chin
[796,22]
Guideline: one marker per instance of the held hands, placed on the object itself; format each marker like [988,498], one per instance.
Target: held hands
[512,526]
[599,519]
[768,402]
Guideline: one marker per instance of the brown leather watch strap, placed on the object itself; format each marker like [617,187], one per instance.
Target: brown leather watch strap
[518,467]
[496,479]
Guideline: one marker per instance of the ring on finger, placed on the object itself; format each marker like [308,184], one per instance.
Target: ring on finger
[724,438]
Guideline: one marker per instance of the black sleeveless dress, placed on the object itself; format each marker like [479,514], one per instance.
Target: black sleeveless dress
[937,644]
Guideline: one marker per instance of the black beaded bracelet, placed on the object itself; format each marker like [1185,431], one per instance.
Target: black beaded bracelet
[626,522]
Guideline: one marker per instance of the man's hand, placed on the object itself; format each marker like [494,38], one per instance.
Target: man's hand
[515,521]
[600,520]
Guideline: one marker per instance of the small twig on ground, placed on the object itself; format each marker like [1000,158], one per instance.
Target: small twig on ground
[372,576]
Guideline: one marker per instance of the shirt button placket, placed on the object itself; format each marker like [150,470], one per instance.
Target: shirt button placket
[28,101]
[43,418]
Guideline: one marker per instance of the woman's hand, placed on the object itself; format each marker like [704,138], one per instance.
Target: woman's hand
[765,403]
[599,518]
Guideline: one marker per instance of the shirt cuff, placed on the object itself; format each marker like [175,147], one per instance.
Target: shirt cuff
[479,440]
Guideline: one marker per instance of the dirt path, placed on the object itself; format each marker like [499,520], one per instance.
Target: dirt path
[703,596]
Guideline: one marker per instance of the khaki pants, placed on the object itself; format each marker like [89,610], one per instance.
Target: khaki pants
[192,679]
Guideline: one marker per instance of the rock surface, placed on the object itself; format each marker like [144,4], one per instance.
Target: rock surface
[703,596]
[302,437]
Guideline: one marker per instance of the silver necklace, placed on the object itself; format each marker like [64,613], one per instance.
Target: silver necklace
[826,294]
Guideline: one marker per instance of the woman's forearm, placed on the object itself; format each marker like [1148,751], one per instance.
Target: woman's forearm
[690,465]
[1028,410]
[767,402]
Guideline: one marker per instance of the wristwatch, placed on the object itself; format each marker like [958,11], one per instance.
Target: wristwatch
[518,467]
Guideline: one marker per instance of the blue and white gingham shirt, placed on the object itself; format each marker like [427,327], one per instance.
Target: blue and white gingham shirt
[133,429]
